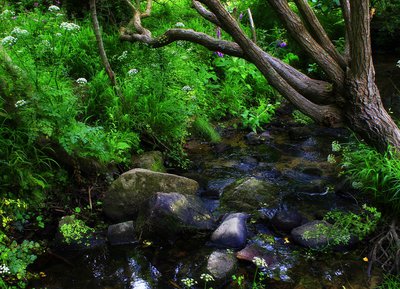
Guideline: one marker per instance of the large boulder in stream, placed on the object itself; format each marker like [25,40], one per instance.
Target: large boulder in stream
[133,189]
[169,214]
[249,194]
[232,233]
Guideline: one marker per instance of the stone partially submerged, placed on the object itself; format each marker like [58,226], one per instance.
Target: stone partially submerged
[133,189]
[232,233]
[169,214]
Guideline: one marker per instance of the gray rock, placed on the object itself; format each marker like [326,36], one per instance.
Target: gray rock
[152,160]
[316,240]
[248,195]
[121,233]
[172,213]
[133,189]
[286,220]
[221,265]
[232,233]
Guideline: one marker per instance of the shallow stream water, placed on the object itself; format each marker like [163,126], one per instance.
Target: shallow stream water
[294,159]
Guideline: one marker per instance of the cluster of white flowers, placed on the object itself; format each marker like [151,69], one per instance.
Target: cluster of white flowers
[206,277]
[69,26]
[46,43]
[187,88]
[123,56]
[54,8]
[81,80]
[8,41]
[4,269]
[189,282]
[260,262]
[18,31]
[331,159]
[20,103]
[133,71]
[58,34]
[179,25]
[7,13]
[336,147]
[398,64]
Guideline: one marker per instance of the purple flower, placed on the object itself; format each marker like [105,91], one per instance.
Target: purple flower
[36,4]
[240,16]
[218,54]
[281,44]
[218,32]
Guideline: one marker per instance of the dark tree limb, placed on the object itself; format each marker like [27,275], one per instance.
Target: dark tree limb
[319,32]
[205,13]
[100,45]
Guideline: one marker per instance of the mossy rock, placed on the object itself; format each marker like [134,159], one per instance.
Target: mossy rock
[248,195]
[133,189]
[152,161]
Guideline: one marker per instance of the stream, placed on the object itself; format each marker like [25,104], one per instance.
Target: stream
[294,159]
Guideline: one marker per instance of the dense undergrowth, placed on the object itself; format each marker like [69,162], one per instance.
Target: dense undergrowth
[58,110]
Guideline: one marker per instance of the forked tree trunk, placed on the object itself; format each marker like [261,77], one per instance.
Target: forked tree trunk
[350,98]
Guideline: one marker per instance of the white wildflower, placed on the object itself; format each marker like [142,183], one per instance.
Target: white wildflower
[20,103]
[260,262]
[8,41]
[179,25]
[4,269]
[336,147]
[6,13]
[123,56]
[398,64]
[189,282]
[133,71]
[59,15]
[18,31]
[187,88]
[331,159]
[54,8]
[46,43]
[58,34]
[81,80]
[206,277]
[69,26]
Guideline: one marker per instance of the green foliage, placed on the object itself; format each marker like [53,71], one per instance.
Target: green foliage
[301,118]
[346,225]
[390,282]
[15,257]
[374,173]
[255,117]
[74,230]
[201,127]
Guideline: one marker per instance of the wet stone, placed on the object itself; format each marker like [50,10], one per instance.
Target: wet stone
[314,240]
[232,233]
[286,220]
[121,233]
[221,265]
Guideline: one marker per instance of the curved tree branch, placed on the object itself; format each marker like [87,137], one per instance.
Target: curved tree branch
[205,13]
[319,32]
[345,6]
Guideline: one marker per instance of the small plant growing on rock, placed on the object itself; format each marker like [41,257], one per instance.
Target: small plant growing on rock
[74,230]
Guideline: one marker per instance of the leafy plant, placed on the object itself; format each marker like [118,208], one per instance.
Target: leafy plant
[74,230]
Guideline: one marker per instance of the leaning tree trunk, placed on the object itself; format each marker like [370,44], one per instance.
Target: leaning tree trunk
[350,97]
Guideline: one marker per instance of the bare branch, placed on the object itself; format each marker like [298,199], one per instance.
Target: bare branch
[252,26]
[318,31]
[205,13]
[345,6]
[147,13]
[308,43]
[102,52]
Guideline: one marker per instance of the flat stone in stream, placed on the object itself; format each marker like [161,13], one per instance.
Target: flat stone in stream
[133,189]
[309,235]
[169,214]
[249,194]
[221,265]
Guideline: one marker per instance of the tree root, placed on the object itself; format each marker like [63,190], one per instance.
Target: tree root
[385,251]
